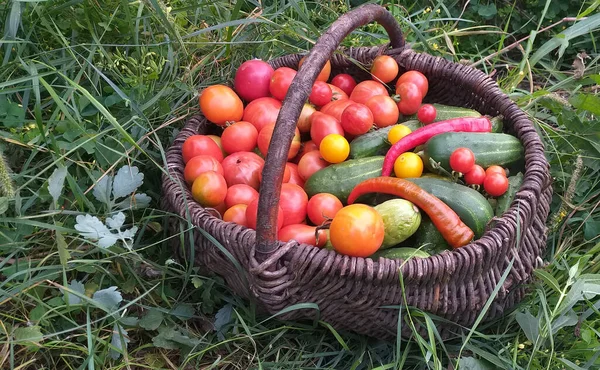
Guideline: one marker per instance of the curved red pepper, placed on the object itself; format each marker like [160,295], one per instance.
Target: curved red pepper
[421,135]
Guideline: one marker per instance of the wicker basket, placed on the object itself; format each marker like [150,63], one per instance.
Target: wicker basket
[359,294]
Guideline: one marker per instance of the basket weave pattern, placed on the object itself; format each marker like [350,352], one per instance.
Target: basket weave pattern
[352,293]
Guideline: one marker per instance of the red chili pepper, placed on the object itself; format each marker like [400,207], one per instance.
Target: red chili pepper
[456,233]
[421,135]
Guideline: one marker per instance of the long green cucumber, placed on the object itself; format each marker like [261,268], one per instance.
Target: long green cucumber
[400,253]
[488,148]
[376,142]
[472,207]
[504,201]
[444,112]
[339,179]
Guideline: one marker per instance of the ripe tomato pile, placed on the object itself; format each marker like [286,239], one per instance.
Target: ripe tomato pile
[224,172]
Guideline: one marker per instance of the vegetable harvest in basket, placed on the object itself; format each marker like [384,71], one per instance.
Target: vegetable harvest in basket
[369,173]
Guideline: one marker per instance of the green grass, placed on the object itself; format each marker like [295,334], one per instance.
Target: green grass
[89,87]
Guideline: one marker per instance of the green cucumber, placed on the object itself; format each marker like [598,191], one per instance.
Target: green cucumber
[444,112]
[403,253]
[428,238]
[489,148]
[472,207]
[375,142]
[504,201]
[339,179]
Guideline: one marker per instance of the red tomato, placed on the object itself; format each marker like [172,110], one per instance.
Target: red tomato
[322,125]
[320,94]
[199,145]
[217,140]
[281,81]
[335,108]
[294,175]
[239,137]
[410,98]
[495,169]
[426,113]
[236,214]
[311,163]
[243,168]
[307,146]
[475,176]
[264,139]
[384,109]
[384,69]
[293,201]
[325,72]
[240,194]
[357,119]
[357,230]
[261,112]
[323,207]
[303,123]
[220,104]
[252,212]
[495,184]
[200,164]
[462,160]
[345,82]
[366,90]
[417,78]
[337,93]
[252,79]
[209,189]
[302,234]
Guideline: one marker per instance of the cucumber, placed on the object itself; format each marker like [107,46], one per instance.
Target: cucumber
[375,142]
[428,238]
[472,207]
[339,179]
[444,112]
[403,253]
[489,148]
[504,201]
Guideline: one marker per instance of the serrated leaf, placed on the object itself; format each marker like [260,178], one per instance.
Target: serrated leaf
[127,180]
[529,324]
[3,204]
[118,342]
[74,286]
[152,320]
[116,222]
[183,311]
[56,182]
[222,318]
[108,299]
[136,201]
[90,227]
[102,189]
[30,335]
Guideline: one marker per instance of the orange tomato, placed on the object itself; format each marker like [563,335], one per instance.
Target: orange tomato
[209,189]
[236,214]
[325,72]
[220,104]
[384,69]
[357,230]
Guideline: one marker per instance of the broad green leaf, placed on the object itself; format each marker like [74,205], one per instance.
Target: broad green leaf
[74,286]
[487,11]
[568,319]
[126,181]
[589,102]
[108,299]
[548,279]
[3,204]
[152,320]
[173,338]
[30,336]
[530,324]
[591,229]
[222,318]
[183,311]
[118,342]
[471,363]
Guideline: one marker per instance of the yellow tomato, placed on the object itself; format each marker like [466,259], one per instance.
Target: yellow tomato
[409,164]
[334,148]
[398,132]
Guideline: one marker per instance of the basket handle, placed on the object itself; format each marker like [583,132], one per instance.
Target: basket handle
[270,187]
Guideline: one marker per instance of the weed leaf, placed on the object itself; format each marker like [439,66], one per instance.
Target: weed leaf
[127,180]
[116,222]
[137,201]
[152,320]
[222,318]
[56,182]
[530,325]
[183,311]
[471,363]
[90,227]
[108,299]
[30,335]
[3,204]
[118,342]
[102,189]
[75,286]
